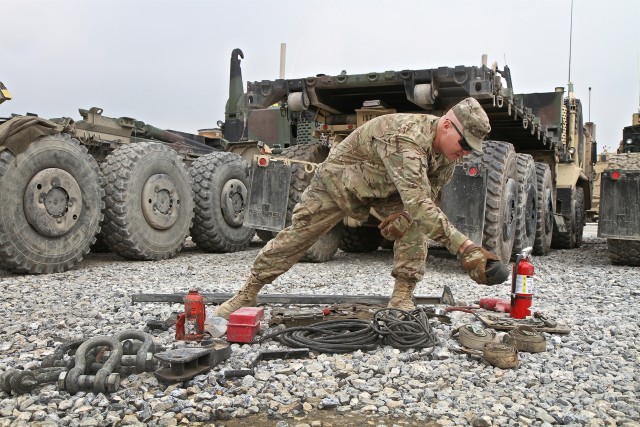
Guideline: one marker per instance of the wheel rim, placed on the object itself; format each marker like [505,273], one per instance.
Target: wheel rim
[232,201]
[52,202]
[160,202]
[511,192]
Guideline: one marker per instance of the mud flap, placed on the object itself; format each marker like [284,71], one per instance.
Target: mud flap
[620,206]
[463,202]
[268,195]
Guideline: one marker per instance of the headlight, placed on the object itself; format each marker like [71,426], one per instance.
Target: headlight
[572,150]
[629,141]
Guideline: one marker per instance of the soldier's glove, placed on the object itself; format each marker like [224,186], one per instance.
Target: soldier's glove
[395,225]
[483,266]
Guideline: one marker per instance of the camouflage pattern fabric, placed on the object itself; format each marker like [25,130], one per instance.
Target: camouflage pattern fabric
[395,225]
[314,216]
[388,164]
[474,261]
[474,121]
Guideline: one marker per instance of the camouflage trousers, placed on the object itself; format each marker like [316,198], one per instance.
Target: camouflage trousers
[315,215]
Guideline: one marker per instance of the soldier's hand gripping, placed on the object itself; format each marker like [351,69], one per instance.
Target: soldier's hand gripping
[483,266]
[395,225]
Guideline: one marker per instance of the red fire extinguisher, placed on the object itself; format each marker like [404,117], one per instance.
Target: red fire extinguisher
[522,285]
[190,324]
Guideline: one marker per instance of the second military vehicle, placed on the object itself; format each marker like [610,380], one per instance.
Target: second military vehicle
[619,214]
[531,186]
[139,190]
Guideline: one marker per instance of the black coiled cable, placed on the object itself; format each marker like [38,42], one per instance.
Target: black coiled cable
[397,328]
[402,329]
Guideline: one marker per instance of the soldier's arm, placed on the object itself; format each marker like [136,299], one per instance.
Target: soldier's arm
[407,167]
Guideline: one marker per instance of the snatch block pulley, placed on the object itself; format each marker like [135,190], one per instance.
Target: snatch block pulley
[188,362]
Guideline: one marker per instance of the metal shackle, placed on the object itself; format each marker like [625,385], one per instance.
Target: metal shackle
[144,356]
[72,382]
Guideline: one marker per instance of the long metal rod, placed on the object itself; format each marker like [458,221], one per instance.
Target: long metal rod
[570,39]
[219,297]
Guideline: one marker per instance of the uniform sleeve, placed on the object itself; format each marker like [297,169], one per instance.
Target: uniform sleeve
[406,164]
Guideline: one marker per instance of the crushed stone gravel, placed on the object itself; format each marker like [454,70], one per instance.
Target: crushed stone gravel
[589,377]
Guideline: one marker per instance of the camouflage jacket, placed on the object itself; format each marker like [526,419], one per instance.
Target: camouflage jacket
[392,155]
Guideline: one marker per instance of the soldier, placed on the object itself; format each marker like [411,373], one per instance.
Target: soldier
[396,164]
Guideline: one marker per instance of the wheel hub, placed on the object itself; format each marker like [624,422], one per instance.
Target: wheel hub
[160,202]
[233,199]
[52,202]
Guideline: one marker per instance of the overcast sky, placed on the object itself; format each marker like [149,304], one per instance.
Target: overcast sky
[166,62]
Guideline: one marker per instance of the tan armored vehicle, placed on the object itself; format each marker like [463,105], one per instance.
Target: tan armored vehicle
[619,213]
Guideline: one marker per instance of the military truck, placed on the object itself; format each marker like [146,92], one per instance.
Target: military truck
[599,167]
[114,183]
[619,214]
[531,186]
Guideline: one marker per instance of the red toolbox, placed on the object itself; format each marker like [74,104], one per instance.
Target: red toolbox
[244,323]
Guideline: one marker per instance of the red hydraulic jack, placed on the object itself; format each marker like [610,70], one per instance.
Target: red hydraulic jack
[190,324]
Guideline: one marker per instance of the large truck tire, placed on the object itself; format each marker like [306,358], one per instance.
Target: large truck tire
[148,202]
[265,235]
[99,246]
[326,247]
[527,209]
[624,252]
[360,239]
[502,193]
[545,210]
[574,222]
[580,216]
[220,183]
[50,205]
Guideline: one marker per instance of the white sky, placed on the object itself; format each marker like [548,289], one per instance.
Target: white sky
[166,62]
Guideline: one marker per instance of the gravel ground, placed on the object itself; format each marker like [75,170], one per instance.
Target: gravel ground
[588,377]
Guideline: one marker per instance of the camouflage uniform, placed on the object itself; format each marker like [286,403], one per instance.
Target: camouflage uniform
[387,164]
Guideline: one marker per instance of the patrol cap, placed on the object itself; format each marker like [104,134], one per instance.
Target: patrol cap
[474,121]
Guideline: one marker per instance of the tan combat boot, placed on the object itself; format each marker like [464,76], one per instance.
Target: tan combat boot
[247,296]
[402,297]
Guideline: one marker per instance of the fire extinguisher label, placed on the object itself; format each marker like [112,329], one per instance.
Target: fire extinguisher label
[524,284]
